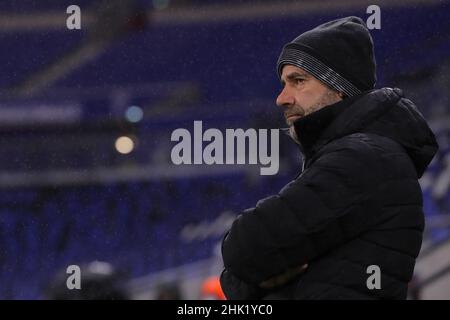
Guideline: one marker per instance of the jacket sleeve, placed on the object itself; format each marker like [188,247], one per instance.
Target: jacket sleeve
[330,203]
[236,289]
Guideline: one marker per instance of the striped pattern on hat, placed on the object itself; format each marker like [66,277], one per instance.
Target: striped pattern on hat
[318,69]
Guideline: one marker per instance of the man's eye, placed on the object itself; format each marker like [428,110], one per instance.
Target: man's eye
[299,80]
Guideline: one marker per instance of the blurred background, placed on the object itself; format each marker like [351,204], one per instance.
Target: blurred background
[86,118]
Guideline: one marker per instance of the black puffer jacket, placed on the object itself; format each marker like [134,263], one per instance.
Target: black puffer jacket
[356,203]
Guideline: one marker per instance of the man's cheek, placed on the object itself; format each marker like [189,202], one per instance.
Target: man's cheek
[311,109]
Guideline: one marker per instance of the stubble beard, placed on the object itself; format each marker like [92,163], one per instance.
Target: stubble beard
[328,98]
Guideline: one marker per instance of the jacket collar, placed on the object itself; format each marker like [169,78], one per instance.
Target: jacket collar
[384,112]
[310,129]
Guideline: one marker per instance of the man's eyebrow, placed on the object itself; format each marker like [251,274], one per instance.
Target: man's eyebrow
[294,75]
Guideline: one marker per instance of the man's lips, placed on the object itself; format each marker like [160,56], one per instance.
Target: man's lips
[291,116]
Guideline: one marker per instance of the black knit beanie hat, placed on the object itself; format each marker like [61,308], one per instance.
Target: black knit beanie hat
[339,53]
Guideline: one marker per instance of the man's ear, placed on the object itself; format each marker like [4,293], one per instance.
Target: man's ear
[341,95]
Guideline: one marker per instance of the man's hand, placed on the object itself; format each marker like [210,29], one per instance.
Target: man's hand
[283,278]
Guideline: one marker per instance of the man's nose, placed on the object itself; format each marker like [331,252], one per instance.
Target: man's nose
[285,99]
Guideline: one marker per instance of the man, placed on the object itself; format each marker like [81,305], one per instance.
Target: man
[357,202]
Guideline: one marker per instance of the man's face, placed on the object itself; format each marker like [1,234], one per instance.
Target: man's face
[303,94]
